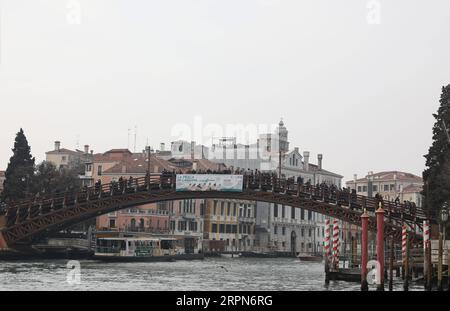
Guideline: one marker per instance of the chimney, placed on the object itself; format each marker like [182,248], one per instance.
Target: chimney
[296,150]
[319,160]
[162,147]
[192,149]
[306,160]
[86,149]
[355,177]
[57,145]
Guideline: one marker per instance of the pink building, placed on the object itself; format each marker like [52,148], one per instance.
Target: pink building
[150,218]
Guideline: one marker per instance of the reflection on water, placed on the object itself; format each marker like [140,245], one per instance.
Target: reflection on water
[209,274]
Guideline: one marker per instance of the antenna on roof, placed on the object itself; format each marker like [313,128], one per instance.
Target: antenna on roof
[128,141]
[135,135]
[78,141]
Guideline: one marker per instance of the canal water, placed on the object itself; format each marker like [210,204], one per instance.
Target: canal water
[253,274]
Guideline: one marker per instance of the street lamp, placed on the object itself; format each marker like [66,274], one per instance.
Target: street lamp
[444,213]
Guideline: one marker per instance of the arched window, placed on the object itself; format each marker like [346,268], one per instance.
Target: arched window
[133,224]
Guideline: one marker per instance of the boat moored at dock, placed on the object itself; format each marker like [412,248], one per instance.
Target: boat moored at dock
[141,249]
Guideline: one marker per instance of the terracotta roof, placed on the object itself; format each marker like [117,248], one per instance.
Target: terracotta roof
[389,175]
[138,165]
[101,158]
[412,189]
[118,151]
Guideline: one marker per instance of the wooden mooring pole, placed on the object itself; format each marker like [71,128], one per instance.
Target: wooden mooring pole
[391,266]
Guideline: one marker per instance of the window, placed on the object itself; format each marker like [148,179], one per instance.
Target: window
[309,232]
[222,208]
[275,210]
[283,211]
[392,187]
[359,188]
[375,188]
[292,212]
[112,223]
[221,228]
[302,232]
[302,214]
[283,231]
[88,167]
[64,158]
[364,188]
[228,208]
[214,228]
[386,188]
[275,229]
[215,208]
[234,209]
[228,229]
[99,170]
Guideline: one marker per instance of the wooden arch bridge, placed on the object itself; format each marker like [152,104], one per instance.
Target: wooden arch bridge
[23,222]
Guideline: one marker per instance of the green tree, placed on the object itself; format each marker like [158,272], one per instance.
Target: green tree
[48,179]
[20,171]
[436,176]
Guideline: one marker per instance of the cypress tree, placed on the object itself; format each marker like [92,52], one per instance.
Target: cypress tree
[436,176]
[20,171]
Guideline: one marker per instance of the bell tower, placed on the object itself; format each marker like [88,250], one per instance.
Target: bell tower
[282,137]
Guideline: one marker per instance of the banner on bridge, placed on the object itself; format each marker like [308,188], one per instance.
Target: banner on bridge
[209,182]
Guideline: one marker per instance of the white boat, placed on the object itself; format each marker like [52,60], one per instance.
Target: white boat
[127,249]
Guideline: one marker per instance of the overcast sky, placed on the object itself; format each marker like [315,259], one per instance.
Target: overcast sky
[358,86]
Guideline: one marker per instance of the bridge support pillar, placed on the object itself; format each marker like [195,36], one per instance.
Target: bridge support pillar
[3,244]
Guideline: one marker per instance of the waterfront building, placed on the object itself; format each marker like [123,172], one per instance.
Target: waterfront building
[286,229]
[391,185]
[280,228]
[149,218]
[229,225]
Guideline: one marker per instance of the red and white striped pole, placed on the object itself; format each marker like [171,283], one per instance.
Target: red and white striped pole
[326,240]
[404,241]
[335,244]
[426,251]
[326,246]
